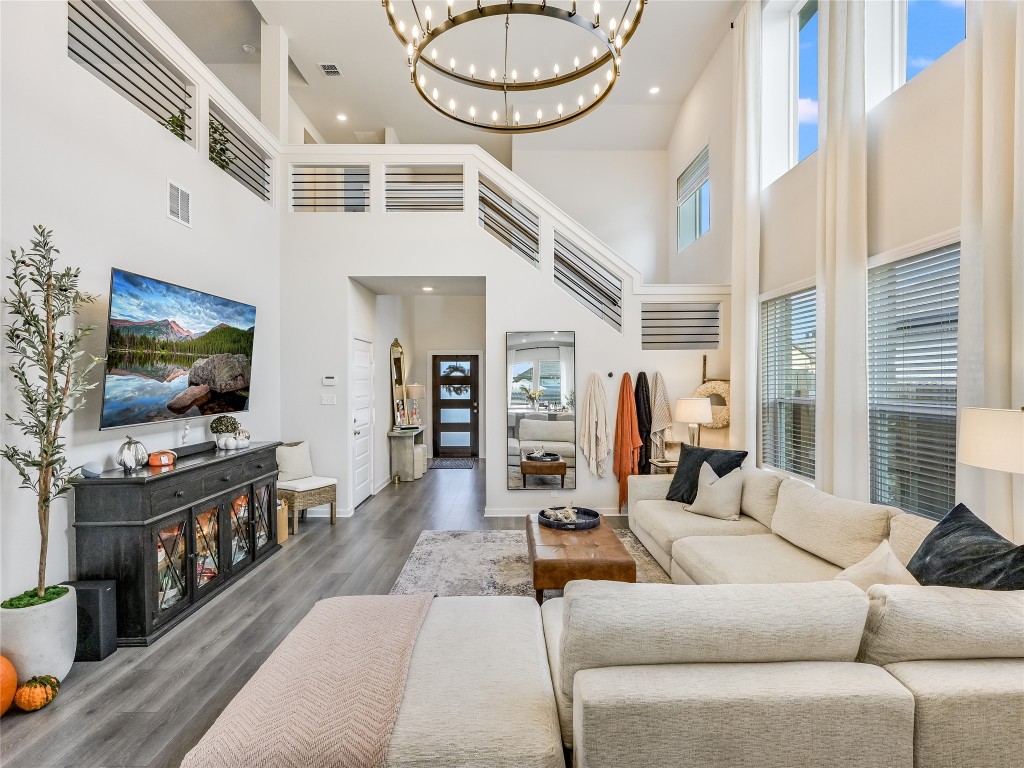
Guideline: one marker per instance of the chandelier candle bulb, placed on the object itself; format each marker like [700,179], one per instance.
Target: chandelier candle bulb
[434,94]
[472,112]
[451,104]
[556,70]
[493,75]
[450,2]
[597,14]
[472,71]
[611,27]
[597,89]
[559,109]
[494,116]
[540,115]
[514,75]
[433,54]
[576,62]
[593,52]
[451,65]
[517,118]
[401,27]
[427,15]
[580,101]
[423,81]
[536,74]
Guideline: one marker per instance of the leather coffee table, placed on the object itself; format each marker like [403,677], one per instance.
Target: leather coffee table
[530,467]
[558,557]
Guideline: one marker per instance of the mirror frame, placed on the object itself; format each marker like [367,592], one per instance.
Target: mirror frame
[398,374]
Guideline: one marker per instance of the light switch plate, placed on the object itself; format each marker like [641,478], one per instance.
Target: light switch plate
[328,399]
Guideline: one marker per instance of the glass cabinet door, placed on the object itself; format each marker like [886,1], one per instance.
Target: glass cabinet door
[264,517]
[171,568]
[206,544]
[240,529]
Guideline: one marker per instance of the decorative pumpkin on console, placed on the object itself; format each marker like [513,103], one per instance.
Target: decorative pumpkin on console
[131,455]
[242,438]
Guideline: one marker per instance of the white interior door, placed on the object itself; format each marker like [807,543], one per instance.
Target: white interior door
[361,388]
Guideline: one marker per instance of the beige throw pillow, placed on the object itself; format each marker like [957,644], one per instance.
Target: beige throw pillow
[880,567]
[718,496]
[293,462]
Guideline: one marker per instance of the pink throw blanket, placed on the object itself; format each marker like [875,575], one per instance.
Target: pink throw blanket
[328,696]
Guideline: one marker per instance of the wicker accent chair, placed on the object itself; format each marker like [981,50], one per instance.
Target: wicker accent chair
[306,492]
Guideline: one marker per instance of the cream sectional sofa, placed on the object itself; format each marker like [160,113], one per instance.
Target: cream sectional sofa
[781,675]
[788,531]
[554,436]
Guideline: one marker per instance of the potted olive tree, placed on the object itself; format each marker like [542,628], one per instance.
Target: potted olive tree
[45,348]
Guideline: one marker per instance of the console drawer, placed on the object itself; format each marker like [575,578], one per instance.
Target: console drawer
[166,498]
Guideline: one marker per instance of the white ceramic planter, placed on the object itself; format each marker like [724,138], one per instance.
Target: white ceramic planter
[41,640]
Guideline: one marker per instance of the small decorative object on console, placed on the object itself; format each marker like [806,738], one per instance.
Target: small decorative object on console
[131,455]
[569,518]
[242,437]
[162,458]
[224,427]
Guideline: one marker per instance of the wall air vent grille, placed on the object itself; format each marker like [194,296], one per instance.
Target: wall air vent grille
[588,281]
[681,325]
[107,46]
[239,156]
[423,187]
[330,70]
[509,221]
[330,188]
[179,204]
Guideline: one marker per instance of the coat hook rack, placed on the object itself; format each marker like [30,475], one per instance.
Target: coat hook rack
[611,375]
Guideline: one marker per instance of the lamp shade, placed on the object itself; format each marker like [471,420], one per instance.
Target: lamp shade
[992,438]
[694,410]
[415,391]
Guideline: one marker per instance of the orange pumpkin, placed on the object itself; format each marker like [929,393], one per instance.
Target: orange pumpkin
[37,692]
[8,684]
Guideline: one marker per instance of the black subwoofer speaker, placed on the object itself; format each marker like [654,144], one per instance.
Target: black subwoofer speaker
[97,619]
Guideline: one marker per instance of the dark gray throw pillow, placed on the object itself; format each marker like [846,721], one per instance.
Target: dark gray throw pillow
[962,551]
[684,484]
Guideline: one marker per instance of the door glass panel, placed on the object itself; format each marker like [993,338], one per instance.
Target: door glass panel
[240,529]
[170,565]
[455,391]
[261,515]
[455,439]
[455,415]
[207,552]
[456,367]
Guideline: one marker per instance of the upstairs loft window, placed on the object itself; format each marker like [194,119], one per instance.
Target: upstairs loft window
[806,130]
[933,27]
[693,201]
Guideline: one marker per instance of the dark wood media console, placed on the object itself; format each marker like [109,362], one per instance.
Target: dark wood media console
[172,537]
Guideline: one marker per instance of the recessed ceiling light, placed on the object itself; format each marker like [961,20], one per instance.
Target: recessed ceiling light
[343,117]
[654,89]
[428,288]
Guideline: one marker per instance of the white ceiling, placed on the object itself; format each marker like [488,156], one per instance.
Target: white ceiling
[413,286]
[669,49]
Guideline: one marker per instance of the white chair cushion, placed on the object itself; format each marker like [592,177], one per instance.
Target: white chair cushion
[293,462]
[306,483]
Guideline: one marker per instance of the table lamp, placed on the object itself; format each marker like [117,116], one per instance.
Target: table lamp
[414,393]
[992,438]
[693,411]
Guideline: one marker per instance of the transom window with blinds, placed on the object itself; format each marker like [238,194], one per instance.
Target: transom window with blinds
[788,328]
[693,200]
[913,308]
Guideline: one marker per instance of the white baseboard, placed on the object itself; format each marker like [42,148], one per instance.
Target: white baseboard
[324,510]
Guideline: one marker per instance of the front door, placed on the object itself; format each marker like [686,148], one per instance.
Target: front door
[362,421]
[456,412]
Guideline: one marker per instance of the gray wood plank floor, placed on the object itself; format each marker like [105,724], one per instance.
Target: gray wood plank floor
[149,706]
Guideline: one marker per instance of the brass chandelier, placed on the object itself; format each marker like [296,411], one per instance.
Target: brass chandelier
[454,87]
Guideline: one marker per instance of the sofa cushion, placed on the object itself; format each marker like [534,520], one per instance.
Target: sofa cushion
[306,483]
[293,462]
[684,482]
[718,497]
[551,614]
[841,531]
[758,559]
[880,567]
[609,624]
[459,702]
[668,521]
[760,494]
[968,713]
[552,431]
[808,714]
[906,532]
[908,623]
[963,551]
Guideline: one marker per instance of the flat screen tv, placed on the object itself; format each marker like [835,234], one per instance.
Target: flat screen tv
[173,353]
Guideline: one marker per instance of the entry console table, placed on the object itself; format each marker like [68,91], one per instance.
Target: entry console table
[172,537]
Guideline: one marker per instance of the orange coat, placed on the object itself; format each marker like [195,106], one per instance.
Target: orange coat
[627,438]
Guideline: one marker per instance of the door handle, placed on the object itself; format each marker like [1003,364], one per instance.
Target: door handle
[357,432]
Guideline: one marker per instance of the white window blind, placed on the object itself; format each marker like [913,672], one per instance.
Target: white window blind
[693,201]
[696,173]
[913,307]
[788,325]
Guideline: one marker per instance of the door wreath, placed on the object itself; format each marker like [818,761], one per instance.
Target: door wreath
[720,413]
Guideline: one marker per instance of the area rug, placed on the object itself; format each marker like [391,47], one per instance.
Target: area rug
[491,563]
[446,463]
[515,479]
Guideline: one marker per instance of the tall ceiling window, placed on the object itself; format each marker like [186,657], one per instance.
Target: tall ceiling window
[932,28]
[807,80]
[788,329]
[693,201]
[913,309]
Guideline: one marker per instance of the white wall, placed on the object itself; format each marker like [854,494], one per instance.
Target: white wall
[705,119]
[619,196]
[298,122]
[395,320]
[82,160]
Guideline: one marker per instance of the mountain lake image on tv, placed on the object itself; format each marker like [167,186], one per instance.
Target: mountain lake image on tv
[173,352]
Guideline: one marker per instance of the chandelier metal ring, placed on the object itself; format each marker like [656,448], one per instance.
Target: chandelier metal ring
[611,45]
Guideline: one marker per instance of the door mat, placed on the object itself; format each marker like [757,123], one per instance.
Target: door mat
[446,463]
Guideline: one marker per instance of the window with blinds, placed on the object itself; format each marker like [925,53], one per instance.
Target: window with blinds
[693,201]
[913,307]
[788,326]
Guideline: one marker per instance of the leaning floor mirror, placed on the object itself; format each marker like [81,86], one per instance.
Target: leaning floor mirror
[541,400]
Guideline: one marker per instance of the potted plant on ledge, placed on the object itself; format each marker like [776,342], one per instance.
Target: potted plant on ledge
[40,626]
